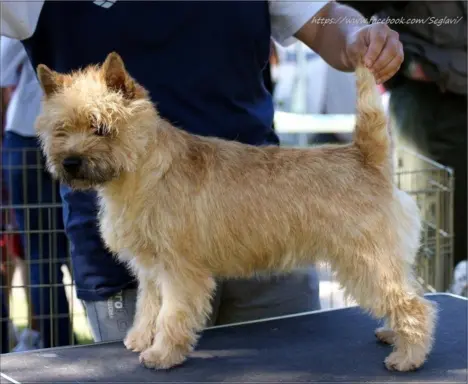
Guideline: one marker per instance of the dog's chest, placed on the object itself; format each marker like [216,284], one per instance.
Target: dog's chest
[120,228]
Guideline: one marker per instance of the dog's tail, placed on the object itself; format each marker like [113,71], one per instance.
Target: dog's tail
[372,135]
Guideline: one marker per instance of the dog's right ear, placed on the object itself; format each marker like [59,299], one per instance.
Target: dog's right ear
[115,74]
[50,81]
[118,79]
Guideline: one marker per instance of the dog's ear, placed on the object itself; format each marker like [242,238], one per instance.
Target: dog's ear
[50,80]
[116,76]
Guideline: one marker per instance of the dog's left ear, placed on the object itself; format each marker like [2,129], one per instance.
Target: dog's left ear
[50,80]
[116,76]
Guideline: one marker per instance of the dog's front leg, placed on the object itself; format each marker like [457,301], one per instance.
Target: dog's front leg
[186,304]
[141,334]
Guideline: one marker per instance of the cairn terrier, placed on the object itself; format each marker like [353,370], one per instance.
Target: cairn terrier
[182,210]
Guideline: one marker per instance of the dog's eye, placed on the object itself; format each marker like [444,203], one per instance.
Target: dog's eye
[60,135]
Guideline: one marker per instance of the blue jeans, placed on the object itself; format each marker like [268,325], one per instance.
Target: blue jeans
[98,275]
[38,215]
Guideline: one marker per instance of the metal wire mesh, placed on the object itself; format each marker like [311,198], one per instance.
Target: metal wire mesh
[431,184]
[32,227]
[37,292]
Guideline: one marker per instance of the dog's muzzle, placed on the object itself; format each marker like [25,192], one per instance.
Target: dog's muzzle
[86,171]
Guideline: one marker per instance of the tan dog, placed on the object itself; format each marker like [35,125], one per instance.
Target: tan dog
[182,209]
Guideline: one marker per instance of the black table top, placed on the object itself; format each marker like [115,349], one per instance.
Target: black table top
[325,346]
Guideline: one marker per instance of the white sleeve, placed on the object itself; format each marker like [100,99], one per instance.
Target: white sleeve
[288,16]
[12,55]
[18,19]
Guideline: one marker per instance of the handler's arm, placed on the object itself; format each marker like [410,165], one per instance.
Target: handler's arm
[328,32]
[18,19]
[343,37]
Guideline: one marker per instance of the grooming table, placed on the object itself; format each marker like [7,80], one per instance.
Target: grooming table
[322,346]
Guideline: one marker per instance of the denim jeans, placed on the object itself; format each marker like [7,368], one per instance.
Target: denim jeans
[97,273]
[38,215]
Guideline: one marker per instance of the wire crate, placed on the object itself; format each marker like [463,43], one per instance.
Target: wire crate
[431,184]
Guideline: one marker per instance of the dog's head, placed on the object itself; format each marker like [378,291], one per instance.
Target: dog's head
[92,124]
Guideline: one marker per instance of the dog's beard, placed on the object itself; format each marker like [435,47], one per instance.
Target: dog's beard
[92,174]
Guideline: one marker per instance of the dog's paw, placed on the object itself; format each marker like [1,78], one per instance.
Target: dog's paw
[385,335]
[138,341]
[155,358]
[398,361]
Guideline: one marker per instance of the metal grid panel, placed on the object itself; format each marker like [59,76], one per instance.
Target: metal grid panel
[431,184]
[37,291]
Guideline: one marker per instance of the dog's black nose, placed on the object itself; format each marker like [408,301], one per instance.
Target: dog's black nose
[72,164]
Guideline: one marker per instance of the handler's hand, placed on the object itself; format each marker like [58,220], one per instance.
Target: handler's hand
[380,48]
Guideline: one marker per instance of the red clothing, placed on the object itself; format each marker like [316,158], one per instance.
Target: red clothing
[10,243]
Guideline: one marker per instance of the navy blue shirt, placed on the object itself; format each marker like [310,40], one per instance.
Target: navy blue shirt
[201,61]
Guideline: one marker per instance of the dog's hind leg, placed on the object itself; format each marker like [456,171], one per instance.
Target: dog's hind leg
[384,285]
[385,334]
[186,305]
[412,319]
